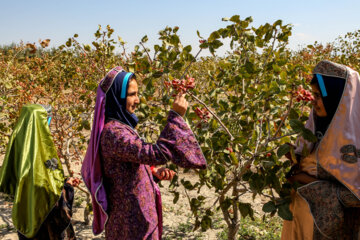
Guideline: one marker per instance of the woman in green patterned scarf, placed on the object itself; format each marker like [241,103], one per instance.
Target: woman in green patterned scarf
[33,175]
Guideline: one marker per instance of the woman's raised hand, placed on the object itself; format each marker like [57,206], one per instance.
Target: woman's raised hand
[180,105]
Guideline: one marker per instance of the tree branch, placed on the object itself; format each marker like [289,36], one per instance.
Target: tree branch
[235,194]
[258,139]
[83,50]
[286,135]
[212,113]
[202,103]
[187,68]
[285,117]
[83,190]
[146,52]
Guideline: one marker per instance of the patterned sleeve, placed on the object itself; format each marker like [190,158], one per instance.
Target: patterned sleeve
[176,143]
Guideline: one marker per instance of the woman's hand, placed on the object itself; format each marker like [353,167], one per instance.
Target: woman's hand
[73,181]
[302,178]
[180,105]
[163,173]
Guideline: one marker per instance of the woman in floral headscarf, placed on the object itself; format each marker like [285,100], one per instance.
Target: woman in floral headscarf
[327,206]
[125,198]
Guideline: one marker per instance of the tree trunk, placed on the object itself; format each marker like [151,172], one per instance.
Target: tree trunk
[233,230]
[87,210]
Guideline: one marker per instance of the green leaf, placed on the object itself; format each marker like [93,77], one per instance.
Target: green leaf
[234,159]
[244,24]
[213,36]
[86,124]
[187,48]
[157,48]
[197,224]
[176,198]
[276,68]
[194,203]
[246,210]
[144,39]
[256,182]
[305,151]
[283,149]
[269,207]
[187,184]
[293,114]
[225,204]
[218,183]
[296,125]
[206,223]
[87,47]
[201,198]
[122,42]
[204,45]
[235,19]
[292,153]
[175,29]
[278,22]
[69,42]
[220,169]
[209,212]
[283,75]
[247,176]
[157,74]
[249,66]
[308,135]
[216,44]
[284,212]
[174,39]
[178,65]
[213,124]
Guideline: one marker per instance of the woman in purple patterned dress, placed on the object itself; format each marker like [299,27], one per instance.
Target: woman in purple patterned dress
[132,207]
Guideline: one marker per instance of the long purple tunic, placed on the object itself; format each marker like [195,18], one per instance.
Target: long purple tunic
[128,179]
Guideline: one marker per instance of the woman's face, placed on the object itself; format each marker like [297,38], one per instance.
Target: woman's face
[132,99]
[317,102]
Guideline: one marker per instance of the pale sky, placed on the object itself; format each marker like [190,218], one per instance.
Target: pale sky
[30,21]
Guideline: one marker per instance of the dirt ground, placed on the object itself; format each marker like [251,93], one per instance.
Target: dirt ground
[178,220]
